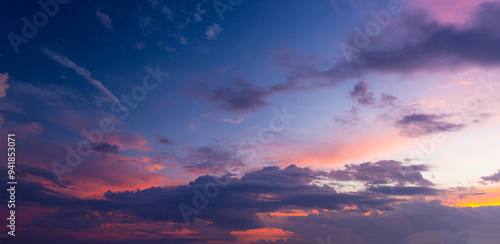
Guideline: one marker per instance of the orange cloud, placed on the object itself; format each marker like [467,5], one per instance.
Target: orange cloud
[293,212]
[263,234]
[490,198]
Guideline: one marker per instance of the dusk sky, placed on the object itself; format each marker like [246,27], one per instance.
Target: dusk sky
[238,121]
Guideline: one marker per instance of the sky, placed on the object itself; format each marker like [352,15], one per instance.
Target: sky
[237,121]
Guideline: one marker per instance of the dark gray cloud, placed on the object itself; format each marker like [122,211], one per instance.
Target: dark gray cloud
[215,158]
[405,191]
[105,147]
[164,140]
[240,97]
[26,169]
[383,172]
[415,125]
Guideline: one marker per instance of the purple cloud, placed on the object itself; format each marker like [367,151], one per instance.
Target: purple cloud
[415,125]
[361,94]
[492,178]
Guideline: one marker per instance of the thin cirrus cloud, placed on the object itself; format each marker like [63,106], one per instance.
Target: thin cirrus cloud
[62,60]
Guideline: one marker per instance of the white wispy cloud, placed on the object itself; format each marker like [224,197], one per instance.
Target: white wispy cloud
[199,12]
[213,32]
[182,40]
[238,120]
[105,19]
[62,60]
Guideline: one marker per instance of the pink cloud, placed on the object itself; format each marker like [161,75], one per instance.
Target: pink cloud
[3,84]
[238,120]
[128,141]
[25,130]
[449,11]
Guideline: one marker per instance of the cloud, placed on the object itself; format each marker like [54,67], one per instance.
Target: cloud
[238,120]
[164,140]
[424,222]
[105,19]
[182,40]
[415,125]
[383,172]
[9,105]
[139,45]
[27,129]
[388,99]
[4,77]
[81,71]
[216,158]
[104,147]
[168,12]
[269,189]
[492,178]
[199,12]
[405,191]
[240,97]
[423,44]
[213,32]
[361,95]
[125,140]
[43,173]
[417,43]
[246,204]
